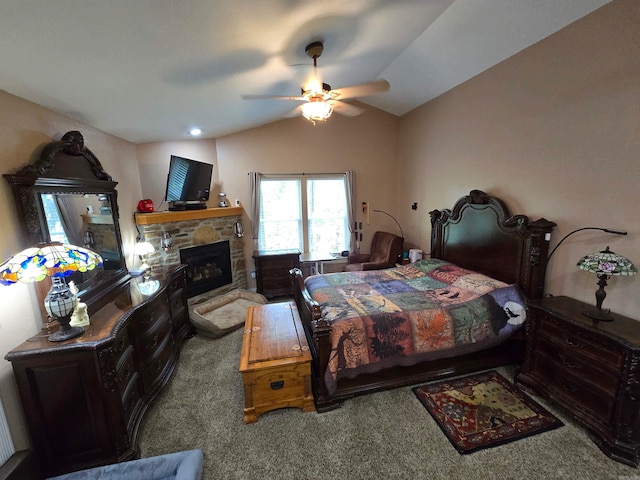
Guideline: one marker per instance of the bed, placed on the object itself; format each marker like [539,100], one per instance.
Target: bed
[459,311]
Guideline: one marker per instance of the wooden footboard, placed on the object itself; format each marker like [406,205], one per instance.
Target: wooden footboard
[318,332]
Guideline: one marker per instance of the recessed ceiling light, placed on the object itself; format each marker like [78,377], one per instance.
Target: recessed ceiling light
[195,132]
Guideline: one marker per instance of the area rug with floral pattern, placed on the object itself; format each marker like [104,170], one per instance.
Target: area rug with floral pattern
[483,411]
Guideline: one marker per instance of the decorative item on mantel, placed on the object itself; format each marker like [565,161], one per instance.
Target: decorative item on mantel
[166,242]
[238,229]
[222,200]
[604,264]
[55,260]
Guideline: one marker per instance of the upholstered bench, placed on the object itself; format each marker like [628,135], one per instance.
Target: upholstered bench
[185,465]
[275,361]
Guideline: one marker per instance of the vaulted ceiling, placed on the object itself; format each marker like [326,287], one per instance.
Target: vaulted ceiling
[150,70]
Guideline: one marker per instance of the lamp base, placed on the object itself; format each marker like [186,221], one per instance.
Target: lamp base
[599,315]
[65,333]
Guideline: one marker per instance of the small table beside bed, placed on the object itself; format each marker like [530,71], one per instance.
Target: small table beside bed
[459,311]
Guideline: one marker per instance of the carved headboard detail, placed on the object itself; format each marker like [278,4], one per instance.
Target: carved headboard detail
[480,234]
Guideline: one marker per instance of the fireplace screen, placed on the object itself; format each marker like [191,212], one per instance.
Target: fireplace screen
[208,267]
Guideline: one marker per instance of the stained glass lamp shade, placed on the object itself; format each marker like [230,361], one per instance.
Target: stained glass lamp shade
[604,264]
[58,261]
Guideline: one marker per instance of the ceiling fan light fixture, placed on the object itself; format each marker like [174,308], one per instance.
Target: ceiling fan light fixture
[317,110]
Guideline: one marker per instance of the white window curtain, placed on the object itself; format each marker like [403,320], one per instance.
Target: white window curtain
[254,186]
[71,221]
[350,184]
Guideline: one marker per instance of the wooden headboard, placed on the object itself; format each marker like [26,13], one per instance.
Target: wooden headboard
[480,234]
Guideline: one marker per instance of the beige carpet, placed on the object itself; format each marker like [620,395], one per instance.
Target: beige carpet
[378,436]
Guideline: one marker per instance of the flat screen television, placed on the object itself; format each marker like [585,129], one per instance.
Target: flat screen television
[188,183]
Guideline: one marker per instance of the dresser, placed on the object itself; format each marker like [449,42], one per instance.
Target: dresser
[272,272]
[84,398]
[591,369]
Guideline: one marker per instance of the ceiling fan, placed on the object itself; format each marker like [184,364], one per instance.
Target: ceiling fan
[319,99]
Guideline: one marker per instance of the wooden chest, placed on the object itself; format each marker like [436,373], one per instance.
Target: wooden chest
[275,362]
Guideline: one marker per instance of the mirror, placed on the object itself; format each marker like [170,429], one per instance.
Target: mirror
[66,196]
[85,220]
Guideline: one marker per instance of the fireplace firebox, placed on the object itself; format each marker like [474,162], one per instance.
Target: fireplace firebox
[208,267]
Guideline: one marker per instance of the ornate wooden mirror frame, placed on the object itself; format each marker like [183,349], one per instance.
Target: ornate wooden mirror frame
[66,177]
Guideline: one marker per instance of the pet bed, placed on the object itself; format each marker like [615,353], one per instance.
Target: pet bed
[216,316]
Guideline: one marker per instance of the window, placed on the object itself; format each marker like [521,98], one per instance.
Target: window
[304,212]
[54,222]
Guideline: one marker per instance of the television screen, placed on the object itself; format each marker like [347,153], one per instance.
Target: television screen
[188,180]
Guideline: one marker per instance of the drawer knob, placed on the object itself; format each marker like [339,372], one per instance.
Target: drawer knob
[573,343]
[569,363]
[277,385]
[568,387]
[153,343]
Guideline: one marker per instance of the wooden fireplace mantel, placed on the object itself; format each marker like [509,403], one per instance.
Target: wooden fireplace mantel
[179,216]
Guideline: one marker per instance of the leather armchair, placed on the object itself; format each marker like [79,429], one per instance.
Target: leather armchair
[386,249]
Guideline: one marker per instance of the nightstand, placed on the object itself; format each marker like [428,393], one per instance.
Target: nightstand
[591,369]
[272,272]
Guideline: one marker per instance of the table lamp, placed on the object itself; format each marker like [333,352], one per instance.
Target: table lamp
[604,264]
[142,248]
[58,261]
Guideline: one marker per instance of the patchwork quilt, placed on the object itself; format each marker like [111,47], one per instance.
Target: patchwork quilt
[426,310]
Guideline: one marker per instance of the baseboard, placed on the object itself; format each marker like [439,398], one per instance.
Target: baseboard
[22,465]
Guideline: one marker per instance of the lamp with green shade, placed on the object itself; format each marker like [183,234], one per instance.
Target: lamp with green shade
[604,264]
[58,261]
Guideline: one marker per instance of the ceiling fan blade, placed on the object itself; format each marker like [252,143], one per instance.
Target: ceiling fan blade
[346,109]
[271,97]
[294,113]
[362,90]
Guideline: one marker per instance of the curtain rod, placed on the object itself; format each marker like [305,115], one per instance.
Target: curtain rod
[298,174]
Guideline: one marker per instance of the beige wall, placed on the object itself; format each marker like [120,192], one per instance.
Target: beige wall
[555,132]
[153,163]
[24,129]
[366,144]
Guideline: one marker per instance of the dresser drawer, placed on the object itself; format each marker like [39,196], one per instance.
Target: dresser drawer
[278,263]
[120,344]
[125,369]
[156,365]
[147,345]
[597,405]
[150,315]
[607,355]
[131,398]
[175,293]
[176,304]
[573,360]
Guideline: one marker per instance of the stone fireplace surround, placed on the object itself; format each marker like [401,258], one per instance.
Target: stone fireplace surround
[191,228]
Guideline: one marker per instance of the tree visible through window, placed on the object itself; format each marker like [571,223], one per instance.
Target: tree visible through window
[305,212]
